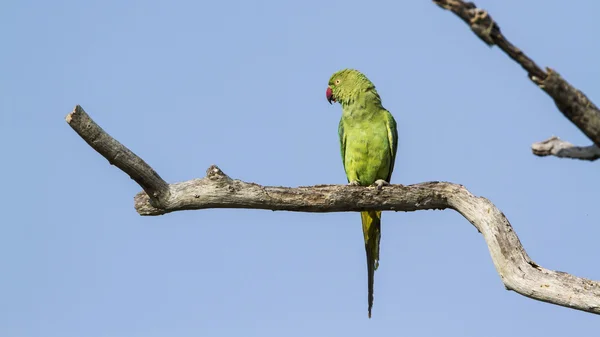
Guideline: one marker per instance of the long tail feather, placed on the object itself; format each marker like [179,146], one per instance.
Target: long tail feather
[371,223]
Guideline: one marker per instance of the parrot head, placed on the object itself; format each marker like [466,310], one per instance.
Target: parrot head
[345,86]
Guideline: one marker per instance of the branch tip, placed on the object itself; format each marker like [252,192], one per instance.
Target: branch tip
[69,116]
[119,155]
[554,146]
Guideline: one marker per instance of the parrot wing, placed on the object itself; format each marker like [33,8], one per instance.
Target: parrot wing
[342,136]
[392,132]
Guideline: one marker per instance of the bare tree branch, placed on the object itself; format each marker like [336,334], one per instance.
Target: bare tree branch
[120,156]
[517,271]
[557,147]
[571,102]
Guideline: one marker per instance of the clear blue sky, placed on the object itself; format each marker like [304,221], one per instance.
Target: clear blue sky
[241,84]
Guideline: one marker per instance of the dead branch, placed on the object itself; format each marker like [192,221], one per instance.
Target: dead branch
[557,147]
[517,271]
[570,101]
[119,155]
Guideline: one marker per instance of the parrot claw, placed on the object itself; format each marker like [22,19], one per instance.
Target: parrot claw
[379,183]
[354,183]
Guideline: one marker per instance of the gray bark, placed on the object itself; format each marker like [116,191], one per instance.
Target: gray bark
[517,270]
[557,147]
[119,155]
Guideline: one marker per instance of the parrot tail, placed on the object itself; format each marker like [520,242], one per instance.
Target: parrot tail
[371,223]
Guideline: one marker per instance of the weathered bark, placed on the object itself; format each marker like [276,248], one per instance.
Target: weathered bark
[518,272]
[557,147]
[570,101]
[119,155]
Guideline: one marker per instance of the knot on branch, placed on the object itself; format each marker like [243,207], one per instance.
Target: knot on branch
[215,173]
[454,5]
[479,20]
[483,25]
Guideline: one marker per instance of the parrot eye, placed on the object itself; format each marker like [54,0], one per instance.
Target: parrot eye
[337,81]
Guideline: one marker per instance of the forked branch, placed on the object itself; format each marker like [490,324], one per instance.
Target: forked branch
[518,272]
[573,103]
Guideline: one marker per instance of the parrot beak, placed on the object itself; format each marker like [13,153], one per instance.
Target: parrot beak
[329,95]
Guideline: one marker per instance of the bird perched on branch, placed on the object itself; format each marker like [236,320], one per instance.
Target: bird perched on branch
[368,143]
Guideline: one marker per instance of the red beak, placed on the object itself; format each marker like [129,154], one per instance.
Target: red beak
[329,95]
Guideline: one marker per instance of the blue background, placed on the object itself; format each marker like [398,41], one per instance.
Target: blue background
[187,84]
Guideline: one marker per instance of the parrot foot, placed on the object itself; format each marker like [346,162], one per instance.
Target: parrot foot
[354,183]
[379,183]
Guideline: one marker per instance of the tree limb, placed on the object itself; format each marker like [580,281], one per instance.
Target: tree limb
[117,154]
[517,271]
[557,147]
[571,102]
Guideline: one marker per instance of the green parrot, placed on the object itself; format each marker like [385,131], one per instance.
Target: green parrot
[369,140]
